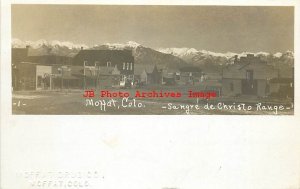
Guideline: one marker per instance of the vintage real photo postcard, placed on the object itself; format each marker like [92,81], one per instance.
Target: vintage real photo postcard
[155,59]
[150,94]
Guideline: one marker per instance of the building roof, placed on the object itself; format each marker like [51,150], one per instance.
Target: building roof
[213,75]
[281,80]
[190,69]
[47,51]
[104,70]
[244,61]
[213,83]
[102,56]
[18,55]
[19,51]
[49,59]
[139,68]
[168,75]
[238,71]
[91,71]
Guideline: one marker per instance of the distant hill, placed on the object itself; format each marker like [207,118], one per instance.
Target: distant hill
[43,47]
[201,57]
[213,62]
[142,55]
[164,57]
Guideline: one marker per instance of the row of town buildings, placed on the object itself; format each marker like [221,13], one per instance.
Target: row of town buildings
[115,68]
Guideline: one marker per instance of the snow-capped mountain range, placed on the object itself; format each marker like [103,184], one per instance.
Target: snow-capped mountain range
[186,52]
[17,43]
[119,46]
[190,52]
[145,55]
[142,55]
[204,57]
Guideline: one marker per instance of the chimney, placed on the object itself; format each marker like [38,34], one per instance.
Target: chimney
[81,48]
[250,55]
[235,58]
[27,49]
[49,50]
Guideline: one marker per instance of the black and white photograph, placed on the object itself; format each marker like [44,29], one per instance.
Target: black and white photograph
[149,94]
[152,59]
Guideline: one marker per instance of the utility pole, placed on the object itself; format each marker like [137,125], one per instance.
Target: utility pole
[97,67]
[62,78]
[84,79]
[50,77]
[62,75]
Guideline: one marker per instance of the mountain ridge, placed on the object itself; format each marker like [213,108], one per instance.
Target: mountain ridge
[171,57]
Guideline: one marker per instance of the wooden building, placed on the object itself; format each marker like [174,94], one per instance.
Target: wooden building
[190,75]
[27,62]
[169,76]
[247,76]
[97,76]
[88,68]
[18,55]
[48,56]
[146,74]
[121,60]
[35,76]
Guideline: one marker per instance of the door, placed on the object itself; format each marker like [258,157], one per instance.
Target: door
[249,85]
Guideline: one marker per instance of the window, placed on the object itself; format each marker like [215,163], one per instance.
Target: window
[249,75]
[127,65]
[129,77]
[123,78]
[39,81]
[85,63]
[131,66]
[267,88]
[124,65]
[231,87]
[108,64]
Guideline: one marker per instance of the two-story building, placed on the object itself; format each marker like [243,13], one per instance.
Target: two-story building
[247,76]
[121,61]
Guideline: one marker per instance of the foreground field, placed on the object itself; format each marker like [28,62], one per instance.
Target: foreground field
[73,103]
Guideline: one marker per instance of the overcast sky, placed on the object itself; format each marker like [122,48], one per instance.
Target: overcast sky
[214,28]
